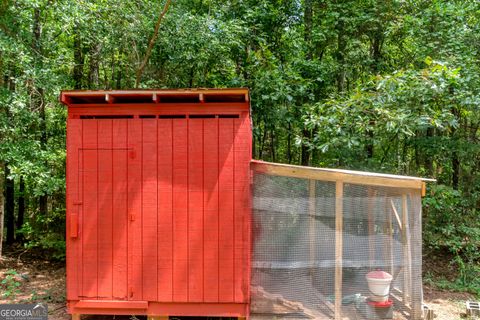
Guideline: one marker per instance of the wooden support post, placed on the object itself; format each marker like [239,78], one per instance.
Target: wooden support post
[312,225]
[371,226]
[76,316]
[390,234]
[416,253]
[394,210]
[428,314]
[406,250]
[157,318]
[338,248]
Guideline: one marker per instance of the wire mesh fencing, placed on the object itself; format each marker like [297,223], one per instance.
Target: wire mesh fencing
[326,249]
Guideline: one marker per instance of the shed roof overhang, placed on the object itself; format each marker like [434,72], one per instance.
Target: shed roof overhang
[153,96]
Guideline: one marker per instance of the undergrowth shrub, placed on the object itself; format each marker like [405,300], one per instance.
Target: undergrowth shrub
[451,225]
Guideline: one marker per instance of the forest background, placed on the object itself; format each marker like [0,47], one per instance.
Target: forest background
[387,86]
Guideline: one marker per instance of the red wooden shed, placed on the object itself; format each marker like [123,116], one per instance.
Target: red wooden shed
[158,202]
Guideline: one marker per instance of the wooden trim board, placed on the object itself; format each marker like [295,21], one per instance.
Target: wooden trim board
[338,248]
[347,176]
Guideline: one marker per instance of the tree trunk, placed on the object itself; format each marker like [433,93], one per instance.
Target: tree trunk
[369,144]
[272,145]
[2,204]
[428,158]
[37,95]
[78,59]
[340,55]
[453,138]
[262,143]
[305,160]
[3,83]
[43,205]
[455,170]
[37,31]
[3,74]
[289,143]
[118,74]
[9,207]
[142,65]
[376,53]
[21,208]
[93,71]
[192,76]
[39,102]
[8,190]
[114,62]
[376,50]
[307,37]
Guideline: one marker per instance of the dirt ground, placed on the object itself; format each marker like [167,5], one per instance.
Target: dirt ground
[39,280]
[446,304]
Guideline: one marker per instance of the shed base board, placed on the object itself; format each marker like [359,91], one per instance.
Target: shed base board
[149,308]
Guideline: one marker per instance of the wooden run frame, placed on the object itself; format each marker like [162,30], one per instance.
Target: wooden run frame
[405,184]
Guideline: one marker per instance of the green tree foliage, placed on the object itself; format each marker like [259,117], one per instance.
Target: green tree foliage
[388,86]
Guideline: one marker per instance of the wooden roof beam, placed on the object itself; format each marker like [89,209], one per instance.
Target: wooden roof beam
[333,175]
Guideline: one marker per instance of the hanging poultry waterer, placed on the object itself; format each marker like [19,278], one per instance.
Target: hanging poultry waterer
[379,285]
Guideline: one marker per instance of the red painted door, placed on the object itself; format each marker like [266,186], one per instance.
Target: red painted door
[158,209]
[101,260]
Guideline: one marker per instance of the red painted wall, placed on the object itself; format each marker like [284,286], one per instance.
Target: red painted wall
[158,207]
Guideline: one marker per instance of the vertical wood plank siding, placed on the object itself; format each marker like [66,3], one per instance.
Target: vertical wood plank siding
[164,209]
